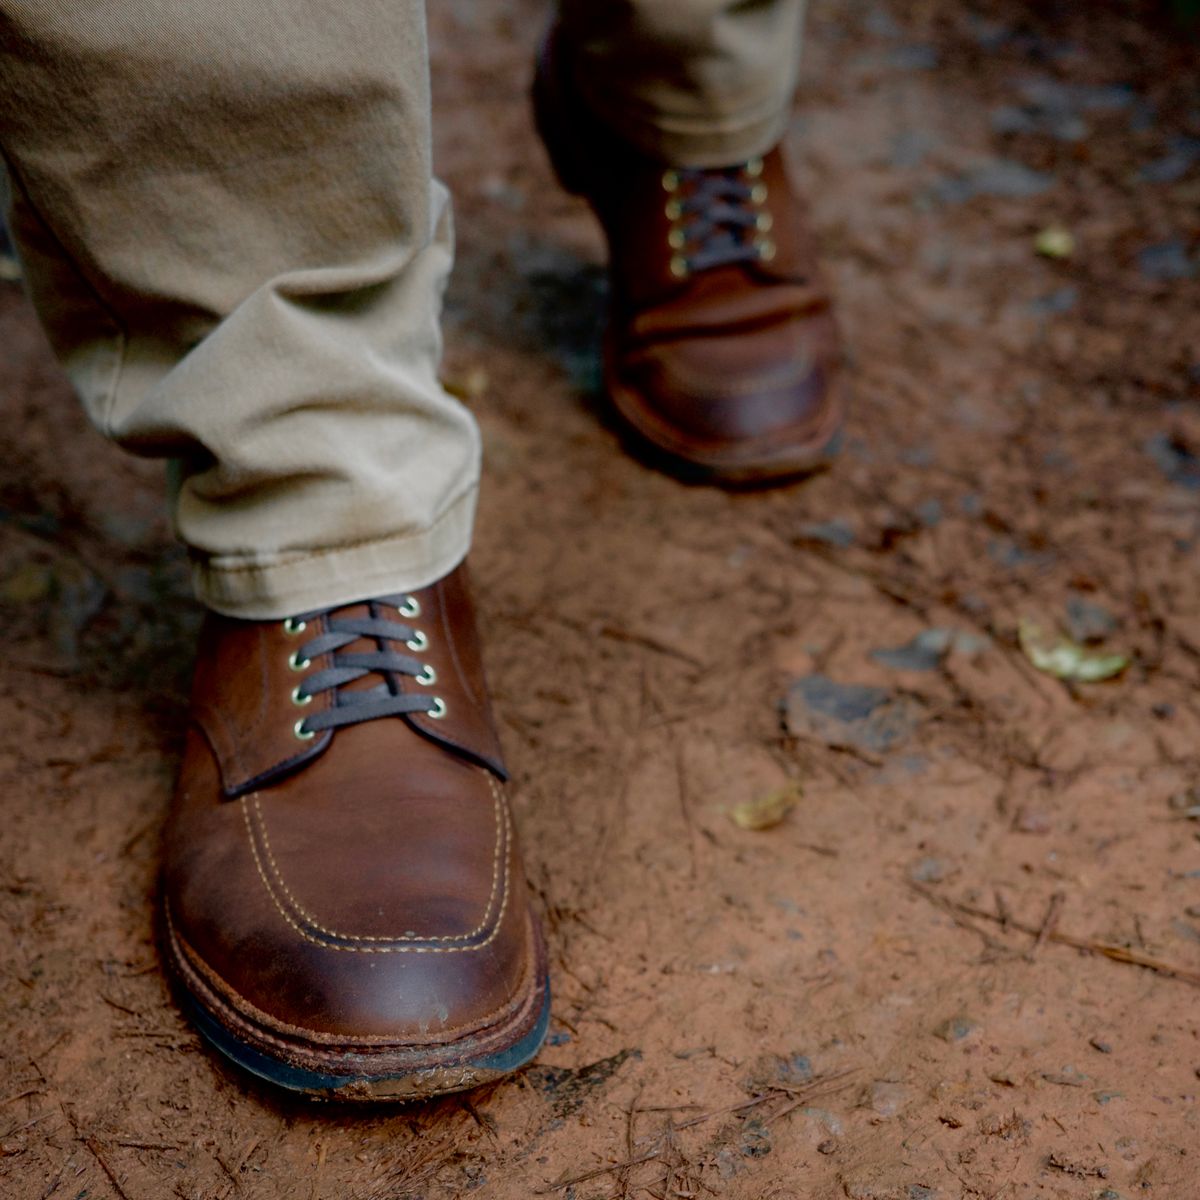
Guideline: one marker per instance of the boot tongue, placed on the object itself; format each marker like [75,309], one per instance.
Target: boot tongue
[245,699]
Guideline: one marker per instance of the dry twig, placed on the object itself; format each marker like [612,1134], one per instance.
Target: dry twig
[1091,945]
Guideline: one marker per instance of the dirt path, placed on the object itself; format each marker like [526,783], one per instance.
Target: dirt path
[849,1004]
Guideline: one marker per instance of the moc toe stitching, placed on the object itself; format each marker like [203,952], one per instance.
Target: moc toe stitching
[309,928]
[236,1010]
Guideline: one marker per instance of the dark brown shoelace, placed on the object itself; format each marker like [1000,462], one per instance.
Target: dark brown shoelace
[718,216]
[351,706]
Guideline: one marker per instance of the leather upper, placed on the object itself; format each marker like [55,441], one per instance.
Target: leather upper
[730,369]
[362,888]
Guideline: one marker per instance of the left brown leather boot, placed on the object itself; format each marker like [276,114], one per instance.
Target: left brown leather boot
[722,353]
[343,897]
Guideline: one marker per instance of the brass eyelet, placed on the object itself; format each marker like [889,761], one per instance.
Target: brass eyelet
[670,180]
[766,249]
[758,193]
[297,663]
[677,239]
[417,642]
[763,222]
[673,210]
[305,735]
[293,626]
[754,168]
[299,698]
[679,266]
[438,711]
[410,608]
[427,676]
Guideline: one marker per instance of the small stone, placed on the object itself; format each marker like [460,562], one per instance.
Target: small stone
[1188,798]
[929,870]
[1165,262]
[837,532]
[887,1098]
[912,58]
[1087,621]
[796,1070]
[1032,820]
[1006,179]
[828,1146]
[1174,459]
[954,1029]
[1097,1044]
[755,1139]
[831,1124]
[850,715]
[923,653]
[929,512]
[1055,303]
[1069,1076]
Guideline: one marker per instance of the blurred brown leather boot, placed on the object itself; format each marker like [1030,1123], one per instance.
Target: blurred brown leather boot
[343,895]
[722,352]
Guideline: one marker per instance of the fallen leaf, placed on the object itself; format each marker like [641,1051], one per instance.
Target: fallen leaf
[29,583]
[765,812]
[1066,659]
[468,386]
[1055,242]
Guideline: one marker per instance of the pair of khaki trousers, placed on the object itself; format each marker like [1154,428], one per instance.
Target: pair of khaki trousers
[229,227]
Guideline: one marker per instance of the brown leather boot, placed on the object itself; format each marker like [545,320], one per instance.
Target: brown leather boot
[722,351]
[343,895]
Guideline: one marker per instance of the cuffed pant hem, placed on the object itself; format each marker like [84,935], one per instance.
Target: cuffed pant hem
[269,587]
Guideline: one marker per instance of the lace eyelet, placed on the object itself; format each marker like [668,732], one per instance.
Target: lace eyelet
[417,642]
[670,181]
[297,663]
[758,193]
[754,168]
[673,210]
[300,699]
[763,222]
[679,266]
[438,711]
[293,626]
[411,607]
[305,735]
[427,677]
[677,239]
[766,249]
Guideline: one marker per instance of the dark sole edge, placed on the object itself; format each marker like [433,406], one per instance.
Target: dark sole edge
[420,1073]
[413,1085]
[798,462]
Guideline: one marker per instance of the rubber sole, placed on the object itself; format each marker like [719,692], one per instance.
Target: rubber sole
[400,1073]
[410,1086]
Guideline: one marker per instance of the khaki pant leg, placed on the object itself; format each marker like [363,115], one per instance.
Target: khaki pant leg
[229,228]
[698,83]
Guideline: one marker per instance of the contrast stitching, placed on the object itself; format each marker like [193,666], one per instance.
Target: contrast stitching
[389,949]
[501,839]
[370,1044]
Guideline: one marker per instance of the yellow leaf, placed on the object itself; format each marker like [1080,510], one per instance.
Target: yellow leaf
[765,812]
[1066,659]
[1055,242]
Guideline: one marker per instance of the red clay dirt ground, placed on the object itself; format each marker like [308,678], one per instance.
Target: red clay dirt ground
[850,1003]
